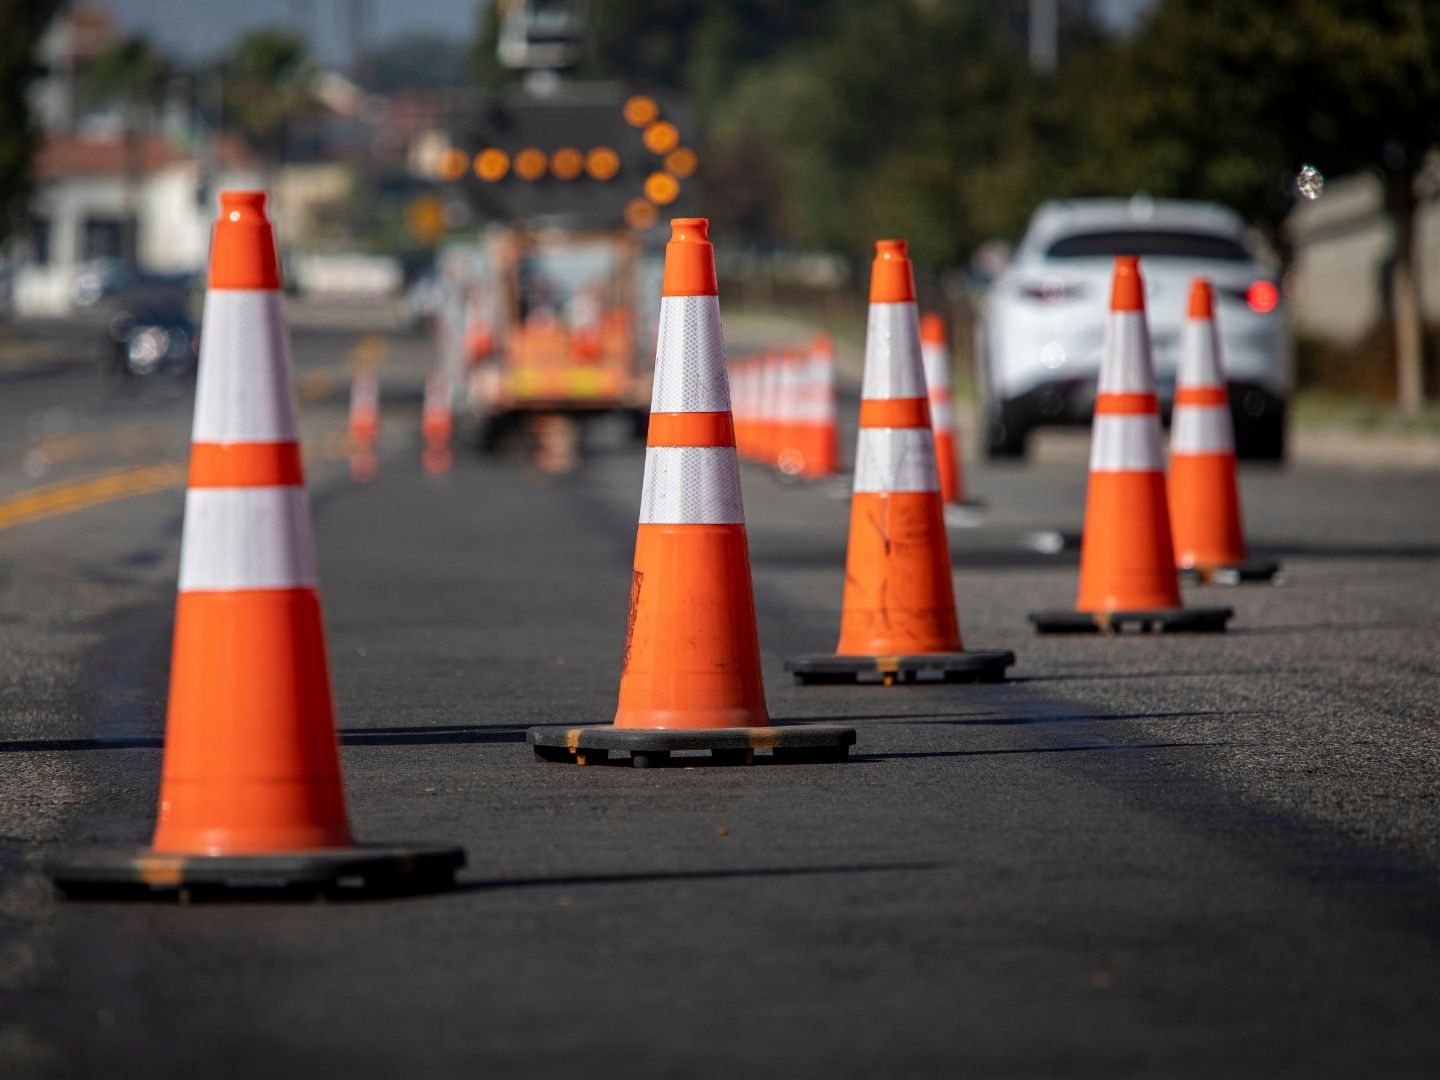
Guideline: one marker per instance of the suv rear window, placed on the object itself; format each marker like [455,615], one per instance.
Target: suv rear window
[1150,242]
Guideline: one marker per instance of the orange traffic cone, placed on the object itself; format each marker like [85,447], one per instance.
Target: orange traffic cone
[898,613]
[789,456]
[691,674]
[1127,559]
[364,426]
[771,377]
[437,423]
[251,795]
[814,436]
[936,353]
[1204,499]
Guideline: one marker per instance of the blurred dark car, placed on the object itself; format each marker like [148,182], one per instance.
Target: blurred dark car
[149,331]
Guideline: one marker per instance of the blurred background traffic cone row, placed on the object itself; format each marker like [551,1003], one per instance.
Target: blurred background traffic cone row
[785,409]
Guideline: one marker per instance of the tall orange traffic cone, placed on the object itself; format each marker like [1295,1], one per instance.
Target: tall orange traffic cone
[1204,499]
[251,795]
[1127,558]
[898,613]
[691,674]
[437,423]
[936,353]
[364,425]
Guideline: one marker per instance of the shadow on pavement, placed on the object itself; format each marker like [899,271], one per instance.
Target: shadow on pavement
[1030,750]
[401,736]
[642,877]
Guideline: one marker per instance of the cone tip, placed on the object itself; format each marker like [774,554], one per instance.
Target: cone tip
[932,329]
[891,279]
[1202,299]
[1127,292]
[242,248]
[822,343]
[689,259]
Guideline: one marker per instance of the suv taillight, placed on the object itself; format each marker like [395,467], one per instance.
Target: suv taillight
[1262,296]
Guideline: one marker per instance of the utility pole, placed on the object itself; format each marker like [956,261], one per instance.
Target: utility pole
[1044,36]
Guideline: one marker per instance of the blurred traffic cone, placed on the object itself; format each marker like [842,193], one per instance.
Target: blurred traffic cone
[744,407]
[364,425]
[935,351]
[437,423]
[816,436]
[251,794]
[794,368]
[691,677]
[898,613]
[1127,559]
[771,377]
[1204,500]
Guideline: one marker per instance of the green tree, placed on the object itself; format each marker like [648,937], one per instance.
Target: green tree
[267,88]
[24,22]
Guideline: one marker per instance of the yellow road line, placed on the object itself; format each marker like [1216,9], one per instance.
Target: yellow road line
[70,495]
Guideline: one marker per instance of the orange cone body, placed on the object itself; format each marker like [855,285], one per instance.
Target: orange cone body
[899,596]
[1204,499]
[1127,560]
[251,763]
[815,436]
[692,658]
[936,353]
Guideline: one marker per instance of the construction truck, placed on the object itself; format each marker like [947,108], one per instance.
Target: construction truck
[551,306]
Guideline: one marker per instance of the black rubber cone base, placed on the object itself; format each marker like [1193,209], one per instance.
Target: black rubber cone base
[1251,572]
[365,870]
[797,745]
[1157,620]
[966,666]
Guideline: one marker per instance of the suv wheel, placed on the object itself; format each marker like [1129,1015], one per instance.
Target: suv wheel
[1005,433]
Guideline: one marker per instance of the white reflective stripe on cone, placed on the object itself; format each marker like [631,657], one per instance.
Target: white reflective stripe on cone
[1200,362]
[893,368]
[690,357]
[896,459]
[691,485]
[1125,365]
[246,538]
[244,391]
[942,417]
[1202,429]
[937,367]
[1126,444]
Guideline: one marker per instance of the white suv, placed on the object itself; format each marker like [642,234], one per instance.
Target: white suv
[1039,333]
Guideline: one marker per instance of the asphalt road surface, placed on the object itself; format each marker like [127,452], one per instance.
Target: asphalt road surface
[1149,856]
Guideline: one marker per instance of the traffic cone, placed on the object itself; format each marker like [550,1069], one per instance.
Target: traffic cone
[1127,558]
[935,351]
[771,377]
[364,426]
[794,369]
[814,437]
[898,613]
[1204,500]
[437,423]
[691,679]
[251,794]
[744,380]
